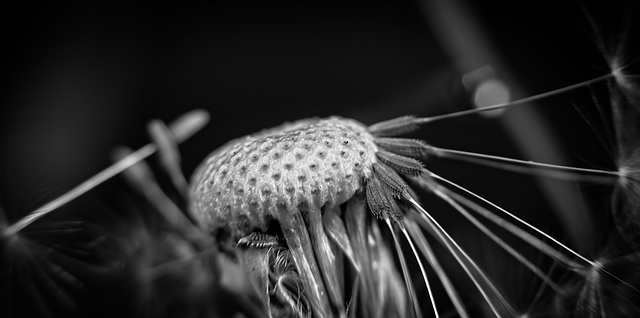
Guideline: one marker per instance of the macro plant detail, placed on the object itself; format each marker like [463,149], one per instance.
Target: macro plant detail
[290,182]
[332,217]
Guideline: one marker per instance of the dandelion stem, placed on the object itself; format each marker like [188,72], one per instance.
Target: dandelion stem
[443,193]
[168,155]
[555,171]
[518,232]
[456,251]
[426,250]
[336,230]
[299,243]
[424,273]
[84,187]
[405,270]
[326,260]
[532,240]
[182,128]
[141,178]
[513,103]
[619,279]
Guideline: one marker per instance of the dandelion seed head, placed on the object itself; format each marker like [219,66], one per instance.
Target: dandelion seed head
[281,181]
[307,164]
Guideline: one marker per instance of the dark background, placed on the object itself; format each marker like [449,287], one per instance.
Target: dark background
[83,78]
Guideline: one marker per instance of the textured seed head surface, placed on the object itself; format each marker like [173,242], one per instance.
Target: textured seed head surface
[303,165]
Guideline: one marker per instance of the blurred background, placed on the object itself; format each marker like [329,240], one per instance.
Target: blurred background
[82,78]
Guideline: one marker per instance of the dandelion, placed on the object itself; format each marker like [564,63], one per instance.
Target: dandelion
[156,269]
[287,182]
[331,218]
[176,269]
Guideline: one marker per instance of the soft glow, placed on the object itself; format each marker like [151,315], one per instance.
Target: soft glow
[491,92]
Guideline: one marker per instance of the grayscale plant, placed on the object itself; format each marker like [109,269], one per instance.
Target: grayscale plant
[331,217]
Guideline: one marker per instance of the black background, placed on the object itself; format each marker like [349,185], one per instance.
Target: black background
[83,78]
